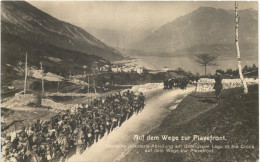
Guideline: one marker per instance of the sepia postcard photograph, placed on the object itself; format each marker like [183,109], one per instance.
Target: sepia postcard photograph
[129,81]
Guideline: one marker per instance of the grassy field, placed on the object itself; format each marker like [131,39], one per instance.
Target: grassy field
[236,118]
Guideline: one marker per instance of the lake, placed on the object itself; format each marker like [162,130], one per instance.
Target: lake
[187,63]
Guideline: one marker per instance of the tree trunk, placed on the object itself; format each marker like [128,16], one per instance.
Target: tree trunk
[42,78]
[238,50]
[25,75]
[88,84]
[205,69]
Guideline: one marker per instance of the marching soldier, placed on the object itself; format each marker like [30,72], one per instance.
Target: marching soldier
[51,140]
[218,85]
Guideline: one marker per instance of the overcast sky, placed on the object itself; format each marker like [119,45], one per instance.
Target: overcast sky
[126,15]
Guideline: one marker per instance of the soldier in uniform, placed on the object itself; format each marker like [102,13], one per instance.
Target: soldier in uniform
[108,123]
[48,141]
[141,99]
[81,143]
[90,138]
[170,83]
[96,131]
[184,82]
[165,83]
[218,85]
[114,122]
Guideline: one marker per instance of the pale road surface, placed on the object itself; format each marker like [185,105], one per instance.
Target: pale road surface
[116,145]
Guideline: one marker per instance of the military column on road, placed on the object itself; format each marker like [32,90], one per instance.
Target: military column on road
[71,131]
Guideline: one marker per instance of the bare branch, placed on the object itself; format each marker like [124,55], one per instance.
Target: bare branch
[206,60]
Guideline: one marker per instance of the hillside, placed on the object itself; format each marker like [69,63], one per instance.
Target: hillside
[25,28]
[118,38]
[208,27]
[236,118]
[55,60]
[31,24]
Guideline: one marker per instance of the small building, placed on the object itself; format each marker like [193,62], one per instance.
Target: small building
[105,68]
[139,70]
[127,69]
[116,69]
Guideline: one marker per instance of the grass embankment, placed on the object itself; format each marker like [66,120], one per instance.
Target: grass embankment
[236,118]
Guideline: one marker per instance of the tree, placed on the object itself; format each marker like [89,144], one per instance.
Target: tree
[112,79]
[229,71]
[180,69]
[206,60]
[221,71]
[254,67]
[245,69]
[238,50]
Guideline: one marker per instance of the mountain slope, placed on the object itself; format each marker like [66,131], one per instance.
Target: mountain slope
[61,47]
[119,38]
[31,24]
[204,26]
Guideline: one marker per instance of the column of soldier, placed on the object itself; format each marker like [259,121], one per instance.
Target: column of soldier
[56,138]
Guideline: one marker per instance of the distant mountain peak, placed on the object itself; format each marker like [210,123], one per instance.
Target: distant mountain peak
[205,25]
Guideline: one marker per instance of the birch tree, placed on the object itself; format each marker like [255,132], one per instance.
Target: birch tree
[238,50]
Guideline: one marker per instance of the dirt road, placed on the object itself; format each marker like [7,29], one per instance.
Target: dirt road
[118,143]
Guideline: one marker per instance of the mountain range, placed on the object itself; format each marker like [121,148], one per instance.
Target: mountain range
[26,29]
[206,29]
